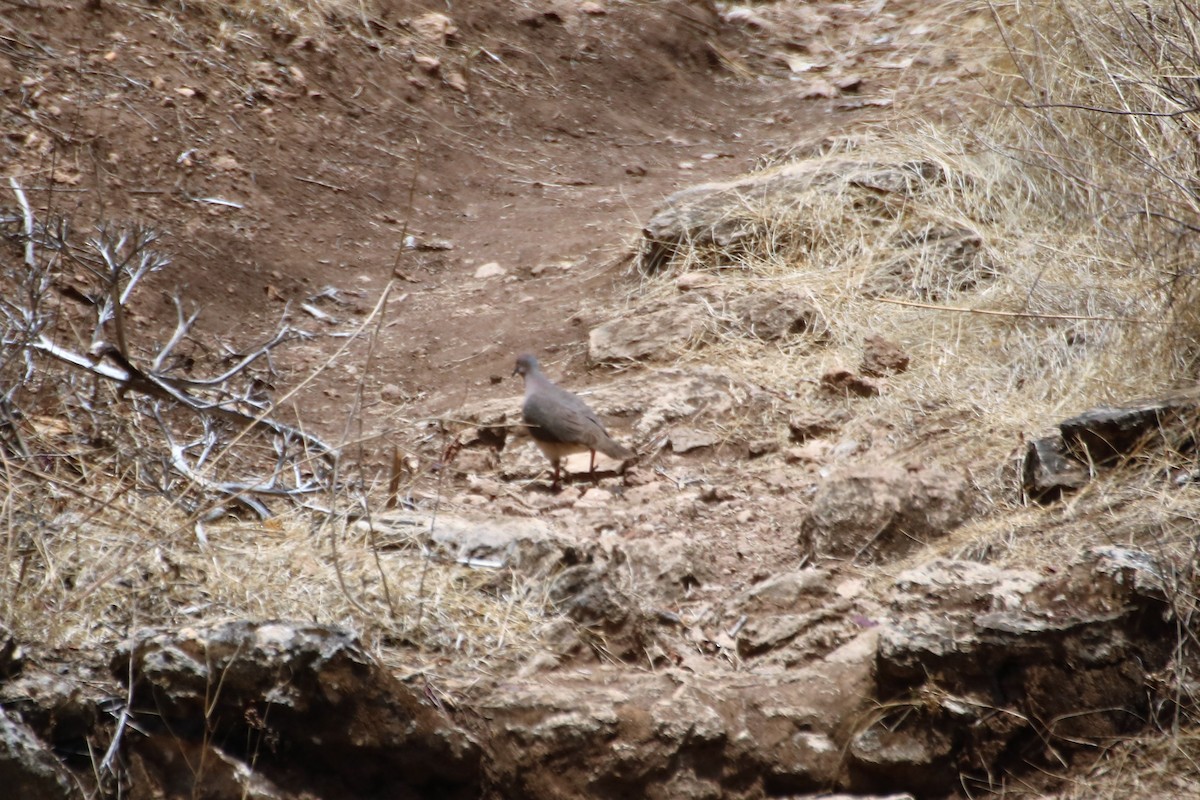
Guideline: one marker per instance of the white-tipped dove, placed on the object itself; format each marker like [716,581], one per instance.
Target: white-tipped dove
[560,423]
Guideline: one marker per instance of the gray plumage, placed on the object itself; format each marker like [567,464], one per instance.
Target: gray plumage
[559,422]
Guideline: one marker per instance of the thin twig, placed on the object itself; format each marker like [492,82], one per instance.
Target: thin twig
[412,194]
[134,379]
[322,184]
[1101,110]
[106,764]
[27,212]
[183,327]
[1024,314]
[338,569]
[357,416]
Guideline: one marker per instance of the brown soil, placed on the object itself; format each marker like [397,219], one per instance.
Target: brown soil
[536,136]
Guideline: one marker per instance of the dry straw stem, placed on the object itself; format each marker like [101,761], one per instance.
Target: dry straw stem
[1022,314]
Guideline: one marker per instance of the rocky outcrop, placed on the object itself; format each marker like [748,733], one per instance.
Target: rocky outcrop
[275,705]
[1103,437]
[1019,671]
[675,735]
[28,768]
[771,316]
[879,511]
[726,212]
[955,672]
[526,545]
[966,671]
[649,336]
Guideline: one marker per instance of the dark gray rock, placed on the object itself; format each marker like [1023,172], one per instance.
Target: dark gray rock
[28,768]
[1048,471]
[1104,435]
[302,702]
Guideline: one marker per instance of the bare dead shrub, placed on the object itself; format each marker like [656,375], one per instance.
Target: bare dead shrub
[178,417]
[1108,111]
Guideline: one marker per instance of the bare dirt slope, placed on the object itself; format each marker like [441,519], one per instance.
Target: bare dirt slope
[282,160]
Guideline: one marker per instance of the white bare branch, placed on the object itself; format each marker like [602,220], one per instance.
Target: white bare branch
[227,406]
[27,212]
[183,327]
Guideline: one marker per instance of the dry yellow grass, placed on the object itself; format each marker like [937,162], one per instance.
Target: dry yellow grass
[113,562]
[1087,221]
[1085,314]
[1149,768]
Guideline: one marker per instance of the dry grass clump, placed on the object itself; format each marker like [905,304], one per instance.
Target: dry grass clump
[146,482]
[1148,767]
[1015,316]
[91,556]
[1044,247]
